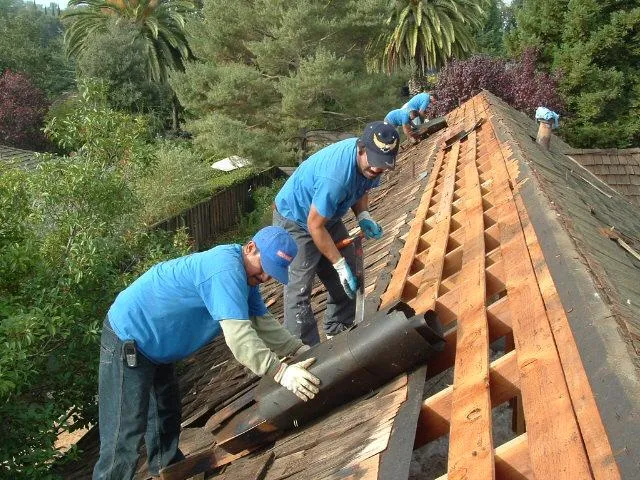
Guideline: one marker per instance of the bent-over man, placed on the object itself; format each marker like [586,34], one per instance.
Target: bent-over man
[170,312]
[310,207]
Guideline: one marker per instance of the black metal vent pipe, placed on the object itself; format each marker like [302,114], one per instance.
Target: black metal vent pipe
[352,364]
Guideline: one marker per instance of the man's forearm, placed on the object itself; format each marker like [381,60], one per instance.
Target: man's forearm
[325,243]
[361,205]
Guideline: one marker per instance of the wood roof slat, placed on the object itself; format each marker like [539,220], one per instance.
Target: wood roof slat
[512,460]
[400,273]
[435,413]
[430,275]
[595,438]
[470,436]
[555,444]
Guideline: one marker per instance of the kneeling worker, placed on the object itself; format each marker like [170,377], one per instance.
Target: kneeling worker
[404,118]
[310,207]
[167,314]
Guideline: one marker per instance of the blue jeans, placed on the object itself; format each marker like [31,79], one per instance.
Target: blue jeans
[135,402]
[309,262]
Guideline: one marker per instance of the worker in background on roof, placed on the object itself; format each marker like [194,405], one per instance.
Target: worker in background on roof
[167,314]
[401,117]
[420,102]
[310,207]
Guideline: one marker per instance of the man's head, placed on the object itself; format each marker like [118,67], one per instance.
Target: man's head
[269,254]
[377,149]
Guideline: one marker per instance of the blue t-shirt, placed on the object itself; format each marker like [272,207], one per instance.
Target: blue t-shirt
[419,102]
[398,117]
[175,307]
[329,179]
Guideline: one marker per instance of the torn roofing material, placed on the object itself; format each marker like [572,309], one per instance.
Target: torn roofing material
[501,239]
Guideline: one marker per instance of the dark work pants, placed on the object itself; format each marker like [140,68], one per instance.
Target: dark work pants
[298,315]
[135,402]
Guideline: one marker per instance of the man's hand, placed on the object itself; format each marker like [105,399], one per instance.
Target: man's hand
[370,228]
[297,379]
[348,281]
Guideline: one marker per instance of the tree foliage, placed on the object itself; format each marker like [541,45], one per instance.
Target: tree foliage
[86,125]
[490,37]
[269,69]
[594,46]
[517,83]
[114,58]
[31,42]
[22,111]
[70,239]
[427,33]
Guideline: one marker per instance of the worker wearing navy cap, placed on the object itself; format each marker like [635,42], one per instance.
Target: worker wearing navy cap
[167,314]
[310,207]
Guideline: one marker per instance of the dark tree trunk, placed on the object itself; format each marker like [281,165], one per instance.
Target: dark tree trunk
[175,114]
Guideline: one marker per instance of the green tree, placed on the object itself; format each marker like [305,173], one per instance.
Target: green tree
[269,70]
[594,47]
[161,32]
[490,38]
[114,58]
[427,33]
[31,42]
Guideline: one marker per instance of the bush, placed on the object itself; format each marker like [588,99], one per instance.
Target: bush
[70,239]
[517,83]
[178,180]
[86,126]
[22,111]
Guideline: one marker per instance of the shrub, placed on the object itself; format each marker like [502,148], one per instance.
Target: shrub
[517,83]
[22,111]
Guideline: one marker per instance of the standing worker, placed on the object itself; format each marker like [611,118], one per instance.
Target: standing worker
[401,117]
[420,102]
[310,206]
[168,313]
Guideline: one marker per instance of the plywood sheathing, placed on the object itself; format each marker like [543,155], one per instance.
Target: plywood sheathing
[483,276]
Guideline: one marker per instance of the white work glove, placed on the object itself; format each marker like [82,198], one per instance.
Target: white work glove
[302,349]
[348,281]
[298,380]
[369,227]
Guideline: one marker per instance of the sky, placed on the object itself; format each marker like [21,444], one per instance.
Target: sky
[61,3]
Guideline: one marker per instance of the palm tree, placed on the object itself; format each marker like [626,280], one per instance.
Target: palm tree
[427,33]
[160,23]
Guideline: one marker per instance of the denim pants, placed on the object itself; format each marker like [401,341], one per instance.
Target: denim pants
[135,402]
[298,315]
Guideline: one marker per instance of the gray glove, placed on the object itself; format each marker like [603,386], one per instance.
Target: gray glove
[302,349]
[298,380]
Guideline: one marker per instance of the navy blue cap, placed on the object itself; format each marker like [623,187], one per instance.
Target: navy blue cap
[277,251]
[381,141]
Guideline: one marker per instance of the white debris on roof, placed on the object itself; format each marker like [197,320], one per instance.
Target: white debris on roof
[231,163]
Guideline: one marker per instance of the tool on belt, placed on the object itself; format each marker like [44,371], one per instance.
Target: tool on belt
[359,273]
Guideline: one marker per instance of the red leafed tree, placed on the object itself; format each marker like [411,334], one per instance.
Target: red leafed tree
[22,111]
[518,83]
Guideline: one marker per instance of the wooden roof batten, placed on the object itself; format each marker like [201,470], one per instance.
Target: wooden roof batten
[472,255]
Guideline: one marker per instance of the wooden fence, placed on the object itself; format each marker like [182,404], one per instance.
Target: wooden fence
[219,212]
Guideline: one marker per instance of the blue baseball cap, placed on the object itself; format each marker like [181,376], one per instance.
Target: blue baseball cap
[277,251]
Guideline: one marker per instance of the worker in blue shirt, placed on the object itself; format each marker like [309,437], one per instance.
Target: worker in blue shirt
[420,102]
[401,117]
[310,207]
[168,313]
